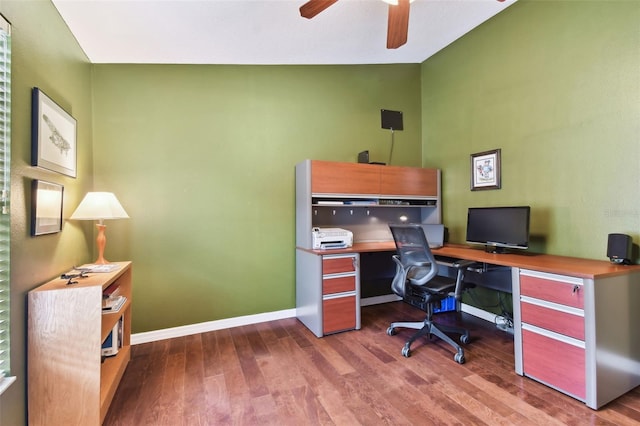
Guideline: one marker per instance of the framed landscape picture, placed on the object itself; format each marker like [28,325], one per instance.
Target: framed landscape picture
[46,207]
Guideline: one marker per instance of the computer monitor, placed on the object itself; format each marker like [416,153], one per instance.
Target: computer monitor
[499,228]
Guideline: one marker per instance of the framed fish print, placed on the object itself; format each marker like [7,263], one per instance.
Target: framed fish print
[53,135]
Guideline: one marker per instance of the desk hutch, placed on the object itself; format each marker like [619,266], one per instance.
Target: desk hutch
[363,198]
[575,320]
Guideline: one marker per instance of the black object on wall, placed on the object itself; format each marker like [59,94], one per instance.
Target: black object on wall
[619,248]
[391,119]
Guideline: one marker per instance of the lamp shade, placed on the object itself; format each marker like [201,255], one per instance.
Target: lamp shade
[99,206]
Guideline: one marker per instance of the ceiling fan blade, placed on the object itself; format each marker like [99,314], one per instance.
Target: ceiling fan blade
[398,24]
[313,7]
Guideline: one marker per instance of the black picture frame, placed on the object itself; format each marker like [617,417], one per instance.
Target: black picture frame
[53,135]
[46,207]
[486,170]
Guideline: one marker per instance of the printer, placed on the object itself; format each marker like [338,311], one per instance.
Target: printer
[331,238]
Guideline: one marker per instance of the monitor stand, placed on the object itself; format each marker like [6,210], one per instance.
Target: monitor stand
[495,249]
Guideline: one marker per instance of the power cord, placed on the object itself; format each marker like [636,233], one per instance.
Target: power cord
[503,321]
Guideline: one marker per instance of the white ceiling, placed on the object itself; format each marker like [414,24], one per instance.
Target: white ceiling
[263,31]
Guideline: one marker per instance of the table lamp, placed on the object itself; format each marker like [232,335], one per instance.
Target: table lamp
[100,206]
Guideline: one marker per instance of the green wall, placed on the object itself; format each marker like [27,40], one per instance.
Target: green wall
[44,55]
[556,86]
[203,157]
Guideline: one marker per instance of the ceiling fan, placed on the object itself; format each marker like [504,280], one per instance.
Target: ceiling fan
[397,22]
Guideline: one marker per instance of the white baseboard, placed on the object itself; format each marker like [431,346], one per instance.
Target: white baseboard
[476,312]
[376,300]
[186,330]
[203,327]
[472,310]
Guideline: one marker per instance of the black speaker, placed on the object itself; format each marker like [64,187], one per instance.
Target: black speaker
[619,248]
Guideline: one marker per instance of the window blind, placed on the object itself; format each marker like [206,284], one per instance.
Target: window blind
[5,174]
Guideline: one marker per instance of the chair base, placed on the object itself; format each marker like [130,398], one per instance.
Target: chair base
[429,328]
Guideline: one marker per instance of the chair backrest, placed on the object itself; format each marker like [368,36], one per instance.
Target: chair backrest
[414,255]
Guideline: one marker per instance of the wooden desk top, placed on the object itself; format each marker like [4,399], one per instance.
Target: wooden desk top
[564,265]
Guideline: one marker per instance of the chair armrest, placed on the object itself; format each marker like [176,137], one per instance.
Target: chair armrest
[461,266]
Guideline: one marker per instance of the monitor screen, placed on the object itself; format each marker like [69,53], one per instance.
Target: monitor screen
[498,228]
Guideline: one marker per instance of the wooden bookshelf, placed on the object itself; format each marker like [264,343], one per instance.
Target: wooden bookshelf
[69,382]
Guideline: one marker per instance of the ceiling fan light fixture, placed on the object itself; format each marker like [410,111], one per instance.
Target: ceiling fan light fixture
[397,21]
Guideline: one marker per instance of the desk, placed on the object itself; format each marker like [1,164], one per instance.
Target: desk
[575,320]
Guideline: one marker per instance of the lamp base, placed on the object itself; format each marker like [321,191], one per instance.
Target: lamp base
[101,242]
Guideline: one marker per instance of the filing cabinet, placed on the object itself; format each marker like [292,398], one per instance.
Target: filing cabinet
[573,331]
[553,330]
[339,301]
[328,291]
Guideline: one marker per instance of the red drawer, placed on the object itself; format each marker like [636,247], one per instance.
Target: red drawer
[554,362]
[553,291]
[561,322]
[338,285]
[338,314]
[336,265]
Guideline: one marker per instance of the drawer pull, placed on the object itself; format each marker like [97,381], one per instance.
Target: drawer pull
[576,288]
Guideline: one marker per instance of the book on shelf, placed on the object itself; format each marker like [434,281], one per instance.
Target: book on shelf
[113,342]
[112,304]
[111,291]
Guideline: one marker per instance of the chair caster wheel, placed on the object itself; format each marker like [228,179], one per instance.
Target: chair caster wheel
[391,331]
[464,339]
[459,358]
[406,352]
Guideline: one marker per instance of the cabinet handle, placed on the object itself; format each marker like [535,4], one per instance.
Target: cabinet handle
[355,264]
[576,289]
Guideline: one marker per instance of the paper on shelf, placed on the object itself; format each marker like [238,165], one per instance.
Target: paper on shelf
[109,267]
[113,304]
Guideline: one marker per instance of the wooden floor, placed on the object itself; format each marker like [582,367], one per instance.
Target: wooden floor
[278,373]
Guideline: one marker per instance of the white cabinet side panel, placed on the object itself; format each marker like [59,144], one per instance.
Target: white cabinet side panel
[309,290]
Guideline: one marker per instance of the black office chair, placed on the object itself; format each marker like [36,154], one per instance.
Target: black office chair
[417,282]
